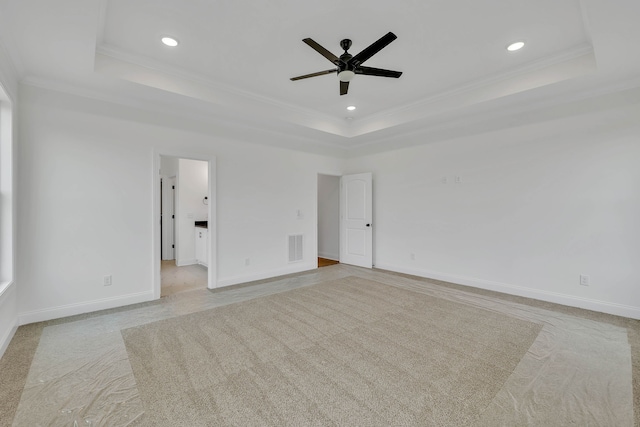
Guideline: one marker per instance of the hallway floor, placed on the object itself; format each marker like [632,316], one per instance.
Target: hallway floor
[180,279]
[324,262]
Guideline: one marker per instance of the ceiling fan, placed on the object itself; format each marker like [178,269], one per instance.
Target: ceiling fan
[348,66]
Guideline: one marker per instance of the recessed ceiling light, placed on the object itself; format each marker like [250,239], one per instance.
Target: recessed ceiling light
[170,41]
[351,107]
[515,46]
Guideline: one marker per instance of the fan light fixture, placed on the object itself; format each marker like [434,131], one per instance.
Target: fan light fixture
[515,46]
[170,41]
[346,75]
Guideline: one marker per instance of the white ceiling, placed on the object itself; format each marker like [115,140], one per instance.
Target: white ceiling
[235,58]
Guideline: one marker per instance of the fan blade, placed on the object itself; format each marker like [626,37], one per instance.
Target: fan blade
[319,73]
[322,51]
[369,71]
[374,48]
[344,88]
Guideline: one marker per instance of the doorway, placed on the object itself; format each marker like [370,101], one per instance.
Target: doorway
[345,219]
[184,214]
[328,220]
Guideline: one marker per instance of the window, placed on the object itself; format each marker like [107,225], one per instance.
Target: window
[7,193]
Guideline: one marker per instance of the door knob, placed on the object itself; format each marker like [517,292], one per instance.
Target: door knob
[368,225]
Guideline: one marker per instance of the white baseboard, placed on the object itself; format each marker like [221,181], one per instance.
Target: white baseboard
[8,315]
[554,297]
[8,336]
[326,255]
[229,281]
[83,307]
[183,262]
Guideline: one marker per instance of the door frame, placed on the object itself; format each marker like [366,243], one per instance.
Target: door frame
[341,239]
[212,269]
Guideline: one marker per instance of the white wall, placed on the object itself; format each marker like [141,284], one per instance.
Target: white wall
[8,138]
[192,187]
[537,206]
[329,217]
[168,166]
[86,180]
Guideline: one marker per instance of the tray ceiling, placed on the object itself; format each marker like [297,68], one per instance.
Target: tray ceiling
[236,58]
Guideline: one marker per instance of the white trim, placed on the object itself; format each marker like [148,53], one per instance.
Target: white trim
[83,307]
[207,118]
[212,225]
[6,339]
[4,286]
[185,262]
[8,185]
[524,70]
[6,291]
[554,297]
[215,92]
[297,268]
[149,63]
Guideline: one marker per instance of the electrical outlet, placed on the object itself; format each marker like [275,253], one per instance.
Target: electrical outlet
[584,280]
[443,180]
[458,180]
[247,261]
[106,280]
[412,256]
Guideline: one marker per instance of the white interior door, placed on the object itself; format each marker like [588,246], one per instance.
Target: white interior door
[356,211]
[168,218]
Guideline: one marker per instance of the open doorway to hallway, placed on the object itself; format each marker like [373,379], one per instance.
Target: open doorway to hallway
[328,220]
[184,220]
[180,279]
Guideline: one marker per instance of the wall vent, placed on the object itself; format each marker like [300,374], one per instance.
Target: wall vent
[295,248]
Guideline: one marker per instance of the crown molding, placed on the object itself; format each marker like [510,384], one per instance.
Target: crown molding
[207,120]
[617,94]
[564,65]
[561,66]
[231,95]
[625,91]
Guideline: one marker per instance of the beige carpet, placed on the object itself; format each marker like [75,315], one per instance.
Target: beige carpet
[345,352]
[14,367]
